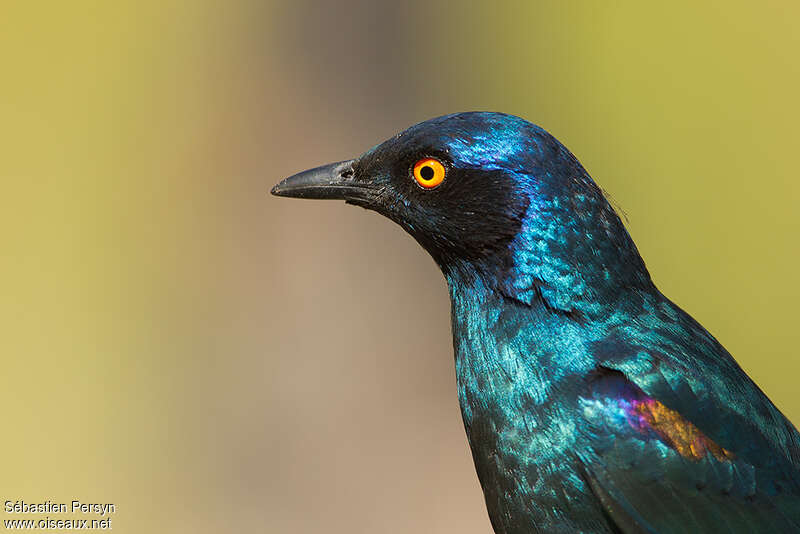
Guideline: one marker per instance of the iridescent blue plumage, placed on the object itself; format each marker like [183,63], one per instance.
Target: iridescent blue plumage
[591,402]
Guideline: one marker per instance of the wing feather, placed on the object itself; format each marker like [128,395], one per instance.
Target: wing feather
[654,470]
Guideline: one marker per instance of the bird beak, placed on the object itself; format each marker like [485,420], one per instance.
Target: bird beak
[332,181]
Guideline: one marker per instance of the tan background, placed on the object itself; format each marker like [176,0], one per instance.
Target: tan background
[212,359]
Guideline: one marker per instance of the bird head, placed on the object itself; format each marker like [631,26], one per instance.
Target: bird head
[490,194]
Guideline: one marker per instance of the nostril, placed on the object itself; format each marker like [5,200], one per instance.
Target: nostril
[347,173]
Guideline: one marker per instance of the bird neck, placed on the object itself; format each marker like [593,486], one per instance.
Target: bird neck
[571,254]
[510,354]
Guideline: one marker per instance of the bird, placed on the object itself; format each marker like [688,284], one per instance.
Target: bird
[591,402]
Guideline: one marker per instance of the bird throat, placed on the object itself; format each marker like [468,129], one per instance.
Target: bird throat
[511,359]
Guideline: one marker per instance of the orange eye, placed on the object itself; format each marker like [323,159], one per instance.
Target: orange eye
[429,172]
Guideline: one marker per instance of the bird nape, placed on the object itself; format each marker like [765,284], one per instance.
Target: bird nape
[591,402]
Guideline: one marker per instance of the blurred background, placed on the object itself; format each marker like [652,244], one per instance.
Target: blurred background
[213,359]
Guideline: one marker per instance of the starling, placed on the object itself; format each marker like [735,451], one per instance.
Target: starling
[592,403]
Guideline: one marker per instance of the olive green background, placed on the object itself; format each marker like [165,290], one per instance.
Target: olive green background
[213,359]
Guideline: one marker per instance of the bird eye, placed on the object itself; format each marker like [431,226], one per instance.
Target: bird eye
[429,172]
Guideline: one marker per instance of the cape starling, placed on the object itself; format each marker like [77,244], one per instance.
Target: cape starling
[592,403]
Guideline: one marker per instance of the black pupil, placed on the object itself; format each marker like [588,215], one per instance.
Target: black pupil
[426,172]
